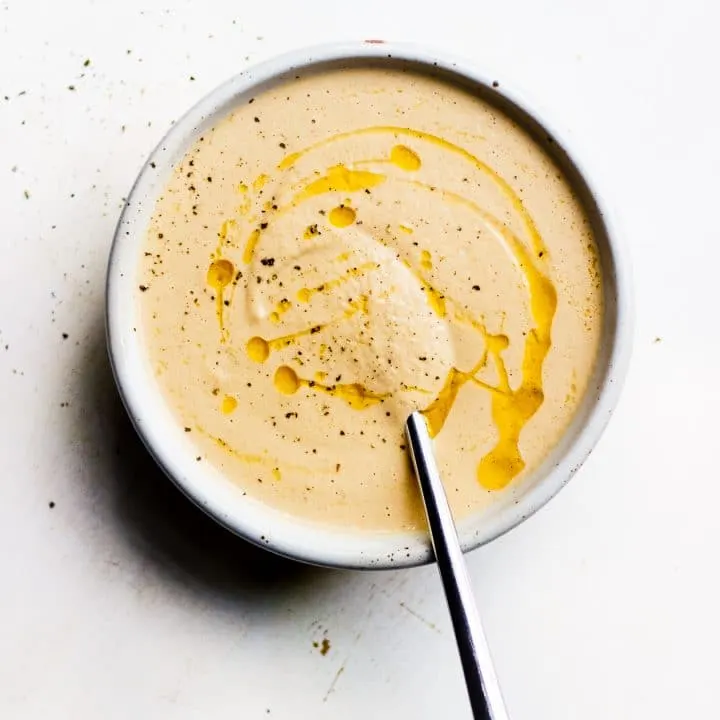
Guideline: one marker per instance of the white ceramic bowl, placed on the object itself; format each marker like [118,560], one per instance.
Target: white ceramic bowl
[224,500]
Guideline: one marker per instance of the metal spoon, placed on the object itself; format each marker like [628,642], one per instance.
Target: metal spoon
[482,685]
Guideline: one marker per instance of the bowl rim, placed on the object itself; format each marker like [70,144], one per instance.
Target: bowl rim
[160,431]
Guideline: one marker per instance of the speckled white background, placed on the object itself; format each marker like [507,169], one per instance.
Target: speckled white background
[123,601]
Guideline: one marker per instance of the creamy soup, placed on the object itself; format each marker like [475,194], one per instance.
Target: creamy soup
[352,245]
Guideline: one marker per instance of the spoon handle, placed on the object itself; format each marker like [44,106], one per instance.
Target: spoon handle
[482,685]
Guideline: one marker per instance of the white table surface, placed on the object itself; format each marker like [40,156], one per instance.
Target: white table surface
[123,601]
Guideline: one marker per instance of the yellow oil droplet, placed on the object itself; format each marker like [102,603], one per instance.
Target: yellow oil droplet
[341,179]
[289,160]
[406,229]
[496,343]
[286,380]
[436,413]
[311,231]
[426,260]
[276,473]
[228,405]
[286,340]
[226,229]
[260,182]
[258,349]
[225,236]
[414,388]
[280,309]
[245,457]
[436,301]
[250,246]
[362,305]
[242,188]
[342,216]
[405,158]
[355,395]
[304,295]
[320,375]
[510,412]
[500,466]
[220,274]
